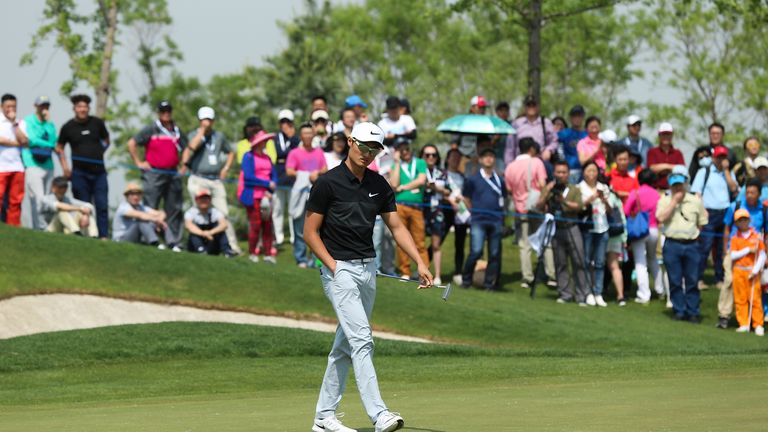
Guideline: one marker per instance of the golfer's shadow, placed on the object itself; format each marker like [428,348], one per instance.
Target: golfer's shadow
[405,429]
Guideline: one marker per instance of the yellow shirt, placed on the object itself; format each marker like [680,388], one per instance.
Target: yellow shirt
[244,146]
[686,218]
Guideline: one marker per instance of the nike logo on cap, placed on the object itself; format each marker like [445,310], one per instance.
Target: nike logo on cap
[370,195]
[374,133]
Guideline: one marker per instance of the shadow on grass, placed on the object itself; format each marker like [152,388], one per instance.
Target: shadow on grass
[404,429]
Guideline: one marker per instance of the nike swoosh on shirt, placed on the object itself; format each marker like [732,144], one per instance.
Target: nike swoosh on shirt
[370,195]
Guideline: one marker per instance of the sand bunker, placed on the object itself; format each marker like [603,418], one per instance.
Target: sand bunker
[31,314]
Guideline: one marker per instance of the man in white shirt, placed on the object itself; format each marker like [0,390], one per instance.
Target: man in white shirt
[11,165]
[395,125]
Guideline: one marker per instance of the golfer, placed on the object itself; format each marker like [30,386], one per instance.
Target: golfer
[341,212]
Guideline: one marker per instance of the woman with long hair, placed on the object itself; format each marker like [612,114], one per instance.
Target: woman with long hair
[434,199]
[595,197]
[644,249]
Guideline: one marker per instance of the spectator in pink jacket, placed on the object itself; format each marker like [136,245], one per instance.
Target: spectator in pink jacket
[644,249]
[258,179]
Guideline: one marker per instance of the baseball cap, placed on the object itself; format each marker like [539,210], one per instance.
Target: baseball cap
[405,103]
[577,110]
[720,151]
[253,121]
[320,114]
[202,193]
[741,214]
[608,136]
[393,102]
[355,100]
[760,162]
[530,100]
[479,101]
[42,100]
[634,118]
[132,187]
[206,112]
[164,105]
[678,175]
[368,132]
[665,128]
[285,114]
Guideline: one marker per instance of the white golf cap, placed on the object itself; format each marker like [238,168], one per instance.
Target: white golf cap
[608,136]
[320,114]
[760,162]
[665,128]
[634,118]
[368,132]
[206,113]
[285,114]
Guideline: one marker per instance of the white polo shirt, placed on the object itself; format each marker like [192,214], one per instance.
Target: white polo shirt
[10,157]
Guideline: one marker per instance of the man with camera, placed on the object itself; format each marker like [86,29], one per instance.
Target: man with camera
[563,201]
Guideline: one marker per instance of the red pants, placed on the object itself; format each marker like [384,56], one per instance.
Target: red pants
[13,182]
[259,227]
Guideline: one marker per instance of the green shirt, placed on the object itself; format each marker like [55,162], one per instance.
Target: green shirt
[40,134]
[408,173]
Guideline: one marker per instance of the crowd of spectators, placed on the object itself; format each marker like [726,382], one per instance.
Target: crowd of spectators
[626,213]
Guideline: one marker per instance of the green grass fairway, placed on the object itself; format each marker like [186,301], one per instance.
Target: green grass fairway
[510,363]
[203,377]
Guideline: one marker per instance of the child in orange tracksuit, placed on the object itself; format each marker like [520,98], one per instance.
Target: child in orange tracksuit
[748,255]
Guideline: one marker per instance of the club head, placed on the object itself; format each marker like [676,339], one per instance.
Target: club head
[446,292]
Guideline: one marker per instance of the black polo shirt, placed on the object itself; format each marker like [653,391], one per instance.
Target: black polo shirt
[350,208]
[88,142]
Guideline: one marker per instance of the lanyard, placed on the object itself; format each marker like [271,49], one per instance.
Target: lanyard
[176,133]
[430,177]
[282,141]
[495,184]
[410,171]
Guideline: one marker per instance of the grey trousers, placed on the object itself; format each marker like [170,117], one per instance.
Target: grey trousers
[568,245]
[384,244]
[352,291]
[280,200]
[142,232]
[167,187]
[37,182]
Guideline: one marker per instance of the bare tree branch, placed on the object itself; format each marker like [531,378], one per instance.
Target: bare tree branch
[567,13]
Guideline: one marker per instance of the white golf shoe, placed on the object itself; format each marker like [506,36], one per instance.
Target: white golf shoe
[760,331]
[600,302]
[591,300]
[743,329]
[331,424]
[389,421]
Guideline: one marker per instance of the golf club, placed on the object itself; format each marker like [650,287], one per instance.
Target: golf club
[446,288]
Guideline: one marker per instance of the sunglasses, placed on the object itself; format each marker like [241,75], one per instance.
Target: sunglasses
[366,149]
[430,155]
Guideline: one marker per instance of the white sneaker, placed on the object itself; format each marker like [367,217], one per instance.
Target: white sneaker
[270,259]
[591,300]
[743,329]
[254,258]
[437,281]
[176,249]
[760,331]
[600,302]
[389,421]
[161,247]
[457,279]
[330,424]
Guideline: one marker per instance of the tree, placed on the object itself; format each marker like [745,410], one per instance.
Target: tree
[532,16]
[91,63]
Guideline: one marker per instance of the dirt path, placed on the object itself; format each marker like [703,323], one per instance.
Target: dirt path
[31,314]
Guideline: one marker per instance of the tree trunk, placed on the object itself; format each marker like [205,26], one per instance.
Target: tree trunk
[534,49]
[102,90]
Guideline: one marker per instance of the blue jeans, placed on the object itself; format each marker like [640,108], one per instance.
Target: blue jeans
[299,246]
[93,188]
[594,258]
[480,232]
[682,263]
[711,235]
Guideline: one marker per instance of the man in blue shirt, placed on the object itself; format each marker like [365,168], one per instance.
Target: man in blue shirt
[633,139]
[568,139]
[484,195]
[715,184]
[753,203]
[761,170]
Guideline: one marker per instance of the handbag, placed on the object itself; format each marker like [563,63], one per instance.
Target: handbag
[531,203]
[615,224]
[638,225]
[41,154]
